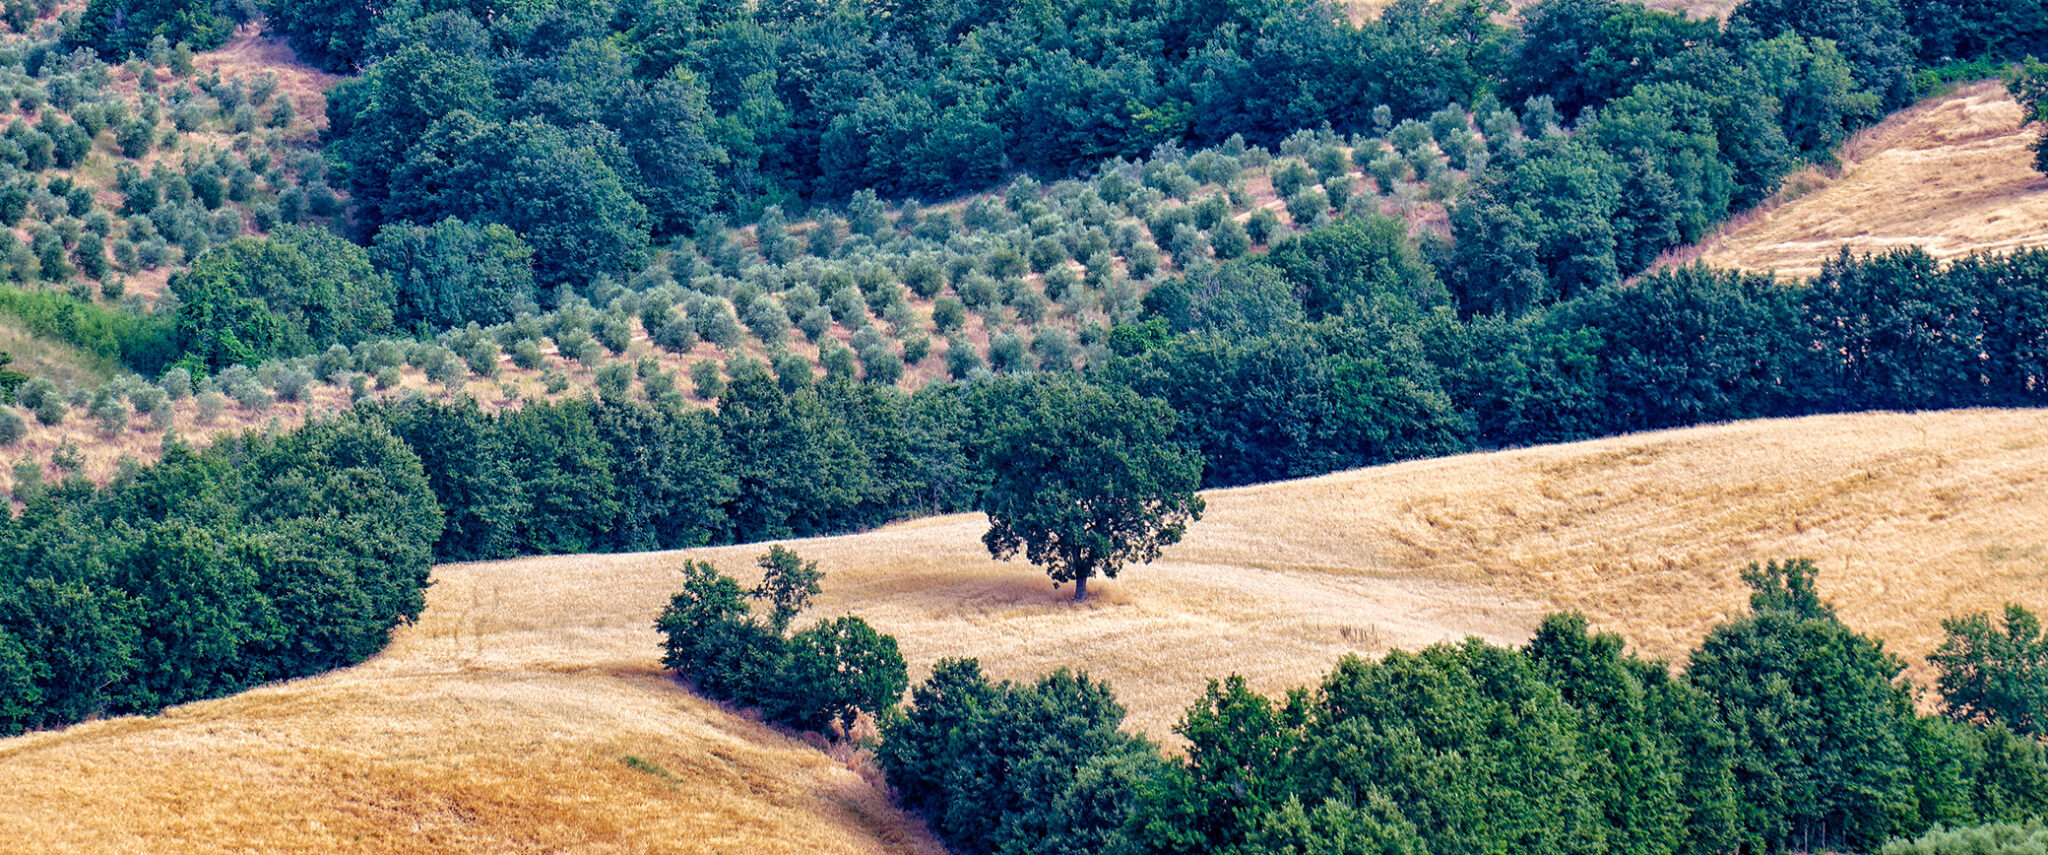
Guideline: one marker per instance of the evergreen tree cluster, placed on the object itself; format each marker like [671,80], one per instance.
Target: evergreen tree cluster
[1789,732]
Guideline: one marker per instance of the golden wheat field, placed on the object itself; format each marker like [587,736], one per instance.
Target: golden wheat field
[525,711]
[1952,175]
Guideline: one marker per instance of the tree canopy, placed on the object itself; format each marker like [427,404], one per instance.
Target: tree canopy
[1085,480]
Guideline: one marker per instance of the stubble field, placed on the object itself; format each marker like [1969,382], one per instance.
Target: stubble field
[526,710]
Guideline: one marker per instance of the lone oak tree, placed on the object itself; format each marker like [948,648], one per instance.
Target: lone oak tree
[1086,479]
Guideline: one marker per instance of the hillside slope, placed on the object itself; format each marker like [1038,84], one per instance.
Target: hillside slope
[503,721]
[489,727]
[1952,175]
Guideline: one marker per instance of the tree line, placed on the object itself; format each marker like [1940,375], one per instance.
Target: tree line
[1788,731]
[1261,389]
[1269,390]
[261,558]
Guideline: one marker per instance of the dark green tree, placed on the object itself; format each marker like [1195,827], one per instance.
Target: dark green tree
[2028,83]
[1995,672]
[710,638]
[290,294]
[1824,737]
[118,28]
[1087,479]
[788,583]
[837,670]
[453,273]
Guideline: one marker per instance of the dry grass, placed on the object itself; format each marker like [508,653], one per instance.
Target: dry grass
[510,719]
[1912,518]
[42,357]
[1952,175]
[501,722]
[252,54]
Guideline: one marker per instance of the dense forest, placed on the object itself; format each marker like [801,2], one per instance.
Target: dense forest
[1311,243]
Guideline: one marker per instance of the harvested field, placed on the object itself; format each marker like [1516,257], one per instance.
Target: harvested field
[526,712]
[1952,174]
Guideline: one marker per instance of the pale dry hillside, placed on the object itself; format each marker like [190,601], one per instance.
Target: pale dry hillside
[503,720]
[509,720]
[1952,175]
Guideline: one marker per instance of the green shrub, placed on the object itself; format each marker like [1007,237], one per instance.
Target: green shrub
[962,360]
[838,360]
[291,383]
[1306,206]
[2006,838]
[822,678]
[615,332]
[177,382]
[12,427]
[706,381]
[916,347]
[949,314]
[615,381]
[210,404]
[1006,352]
[881,364]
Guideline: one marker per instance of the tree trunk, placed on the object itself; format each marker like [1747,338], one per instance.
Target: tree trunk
[1080,588]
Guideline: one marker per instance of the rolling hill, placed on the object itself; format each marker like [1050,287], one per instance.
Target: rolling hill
[1952,175]
[526,712]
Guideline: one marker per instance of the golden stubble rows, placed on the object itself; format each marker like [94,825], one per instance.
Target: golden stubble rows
[526,710]
[1953,175]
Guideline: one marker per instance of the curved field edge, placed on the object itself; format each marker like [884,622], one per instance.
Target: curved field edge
[505,718]
[1952,175]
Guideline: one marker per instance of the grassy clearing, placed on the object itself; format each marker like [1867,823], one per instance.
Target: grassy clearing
[511,717]
[1952,175]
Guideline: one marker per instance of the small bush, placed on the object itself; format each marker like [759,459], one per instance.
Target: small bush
[1006,351]
[28,480]
[526,354]
[255,398]
[880,364]
[615,332]
[1055,349]
[839,362]
[962,360]
[916,348]
[1308,205]
[615,381]
[50,411]
[210,405]
[949,314]
[110,411]
[1230,239]
[445,368]
[291,383]
[706,380]
[977,290]
[12,427]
